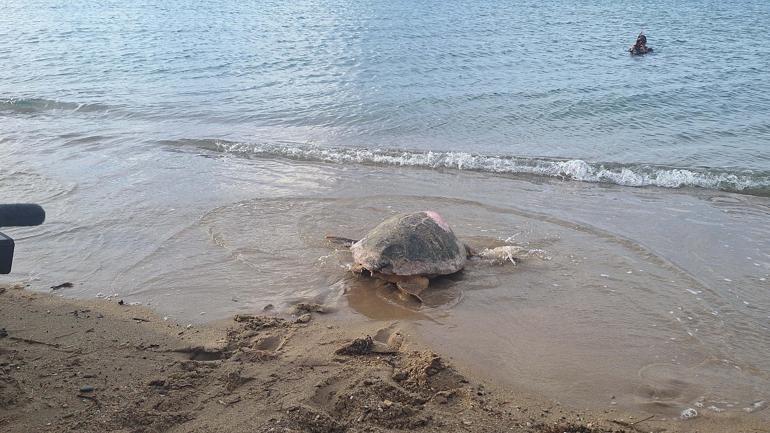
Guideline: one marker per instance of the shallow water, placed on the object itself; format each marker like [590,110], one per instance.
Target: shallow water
[192,158]
[657,298]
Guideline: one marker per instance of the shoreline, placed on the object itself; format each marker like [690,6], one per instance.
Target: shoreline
[68,364]
[184,248]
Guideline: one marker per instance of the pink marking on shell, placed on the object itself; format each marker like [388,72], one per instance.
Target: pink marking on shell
[437,218]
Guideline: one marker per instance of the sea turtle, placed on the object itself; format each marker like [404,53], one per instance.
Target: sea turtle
[408,250]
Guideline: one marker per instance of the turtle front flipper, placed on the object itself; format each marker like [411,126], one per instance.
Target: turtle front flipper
[410,285]
[413,286]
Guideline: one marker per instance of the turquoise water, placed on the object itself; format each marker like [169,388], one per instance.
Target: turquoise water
[545,89]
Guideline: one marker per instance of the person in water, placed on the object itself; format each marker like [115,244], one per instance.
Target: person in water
[640,47]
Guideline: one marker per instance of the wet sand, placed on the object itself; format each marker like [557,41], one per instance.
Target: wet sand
[94,366]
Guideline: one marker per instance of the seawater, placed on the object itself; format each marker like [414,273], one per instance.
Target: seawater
[192,155]
[493,79]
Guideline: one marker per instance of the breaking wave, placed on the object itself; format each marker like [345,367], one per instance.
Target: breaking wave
[636,175]
[40,105]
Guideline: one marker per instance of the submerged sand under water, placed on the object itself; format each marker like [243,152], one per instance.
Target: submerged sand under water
[646,299]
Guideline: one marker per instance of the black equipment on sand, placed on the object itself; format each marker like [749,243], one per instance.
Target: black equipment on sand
[16,215]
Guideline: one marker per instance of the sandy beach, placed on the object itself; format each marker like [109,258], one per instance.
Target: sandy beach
[96,366]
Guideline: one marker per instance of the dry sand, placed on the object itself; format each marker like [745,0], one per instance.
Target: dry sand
[72,365]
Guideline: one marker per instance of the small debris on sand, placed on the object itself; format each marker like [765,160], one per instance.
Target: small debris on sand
[257,323]
[305,307]
[66,285]
[359,346]
[364,346]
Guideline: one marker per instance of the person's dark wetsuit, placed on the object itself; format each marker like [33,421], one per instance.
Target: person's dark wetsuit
[640,47]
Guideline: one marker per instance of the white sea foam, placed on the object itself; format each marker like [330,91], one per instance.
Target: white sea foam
[636,175]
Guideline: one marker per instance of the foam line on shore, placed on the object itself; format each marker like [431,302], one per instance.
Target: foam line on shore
[635,175]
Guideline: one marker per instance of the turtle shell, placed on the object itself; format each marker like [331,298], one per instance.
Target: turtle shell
[419,243]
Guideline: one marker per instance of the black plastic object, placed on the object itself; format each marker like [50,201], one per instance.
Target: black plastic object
[21,214]
[15,215]
[6,254]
